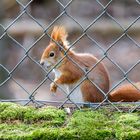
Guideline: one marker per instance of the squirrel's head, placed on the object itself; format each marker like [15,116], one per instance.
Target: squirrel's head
[56,48]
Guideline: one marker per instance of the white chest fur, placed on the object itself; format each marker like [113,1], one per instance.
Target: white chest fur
[76,95]
[57,73]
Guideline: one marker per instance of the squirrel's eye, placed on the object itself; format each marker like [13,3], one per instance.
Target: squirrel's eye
[51,54]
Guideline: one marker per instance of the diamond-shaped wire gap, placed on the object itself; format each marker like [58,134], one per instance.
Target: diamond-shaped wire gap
[121,10]
[133,73]
[6,93]
[44,93]
[29,20]
[24,3]
[128,26]
[16,42]
[125,30]
[83,16]
[28,74]
[64,8]
[71,26]
[132,23]
[45,10]
[17,90]
[64,3]
[38,20]
[86,45]
[8,37]
[99,16]
[103,2]
[12,54]
[38,91]
[6,27]
[125,53]
[114,71]
[134,32]
[129,29]
[4,75]
[27,28]
[100,46]
[37,48]
[9,10]
[28,16]
[1,30]
[102,29]
[56,17]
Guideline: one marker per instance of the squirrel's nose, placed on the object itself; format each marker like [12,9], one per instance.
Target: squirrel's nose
[42,63]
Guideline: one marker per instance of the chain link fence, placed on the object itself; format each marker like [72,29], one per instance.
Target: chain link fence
[41,30]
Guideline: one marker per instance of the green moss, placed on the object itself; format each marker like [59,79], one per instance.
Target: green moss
[128,118]
[51,115]
[28,114]
[12,131]
[134,135]
[49,123]
[4,105]
[9,112]
[91,125]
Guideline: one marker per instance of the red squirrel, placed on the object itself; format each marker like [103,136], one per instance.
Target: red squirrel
[72,68]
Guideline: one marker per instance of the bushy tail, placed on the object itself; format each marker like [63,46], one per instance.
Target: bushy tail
[126,93]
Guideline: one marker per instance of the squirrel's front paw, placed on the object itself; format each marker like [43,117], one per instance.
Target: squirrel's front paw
[53,87]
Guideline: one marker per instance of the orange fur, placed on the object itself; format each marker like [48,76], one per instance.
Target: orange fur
[71,73]
[59,33]
[126,93]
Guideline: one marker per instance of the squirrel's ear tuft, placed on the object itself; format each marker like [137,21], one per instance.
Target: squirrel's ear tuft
[59,34]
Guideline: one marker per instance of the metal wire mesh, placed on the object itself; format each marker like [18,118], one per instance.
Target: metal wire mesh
[31,95]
